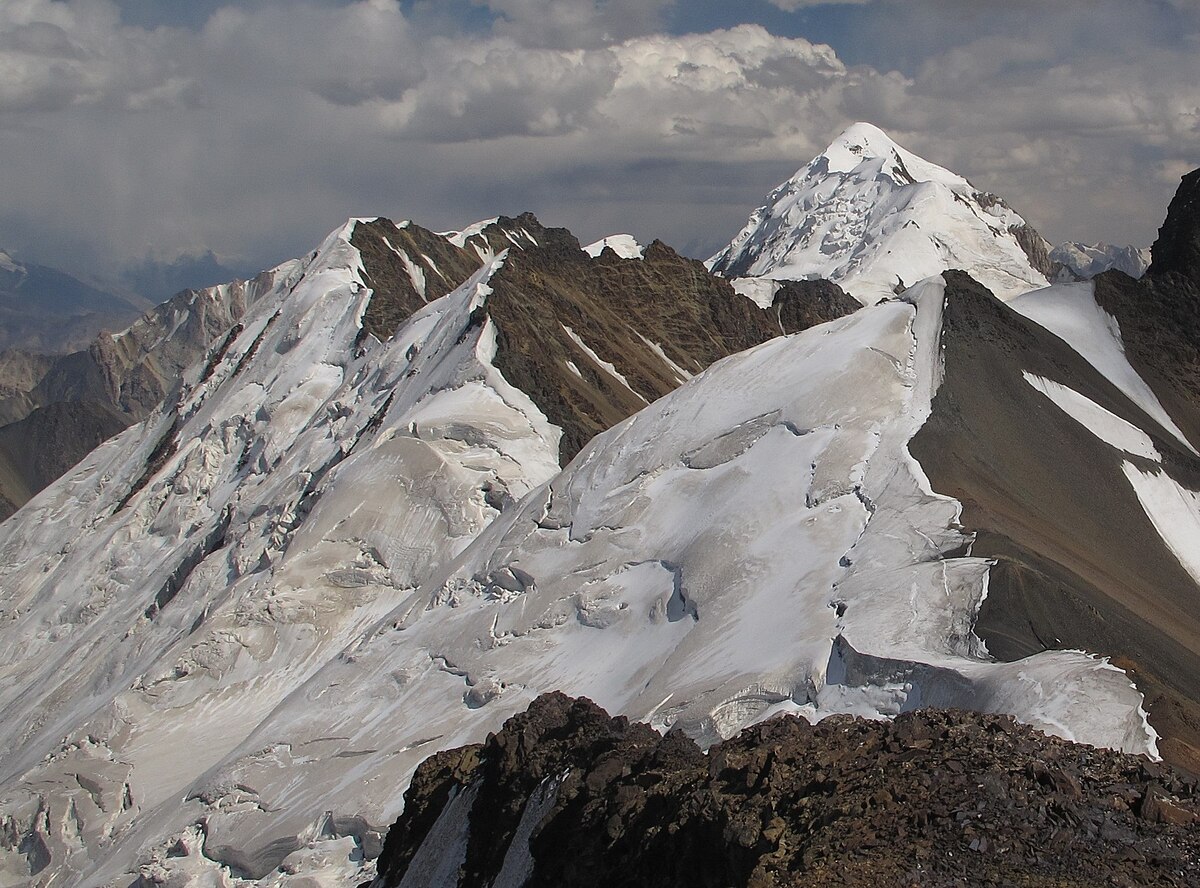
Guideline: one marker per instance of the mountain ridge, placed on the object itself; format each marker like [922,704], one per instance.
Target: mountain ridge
[372,522]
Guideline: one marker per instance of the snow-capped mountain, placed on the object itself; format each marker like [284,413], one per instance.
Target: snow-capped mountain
[427,477]
[1082,262]
[875,219]
[339,446]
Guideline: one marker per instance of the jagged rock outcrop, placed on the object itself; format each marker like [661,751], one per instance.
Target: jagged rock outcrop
[803,304]
[1177,249]
[563,795]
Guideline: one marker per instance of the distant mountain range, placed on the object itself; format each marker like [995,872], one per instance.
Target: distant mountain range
[46,311]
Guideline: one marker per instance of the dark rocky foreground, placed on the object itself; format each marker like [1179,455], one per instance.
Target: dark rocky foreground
[935,798]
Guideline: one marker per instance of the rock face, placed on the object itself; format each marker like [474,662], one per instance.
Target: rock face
[406,266]
[804,304]
[564,795]
[1178,246]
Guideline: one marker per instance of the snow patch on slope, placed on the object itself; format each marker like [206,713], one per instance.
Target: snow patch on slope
[1071,313]
[607,366]
[624,245]
[1173,509]
[1105,425]
[760,291]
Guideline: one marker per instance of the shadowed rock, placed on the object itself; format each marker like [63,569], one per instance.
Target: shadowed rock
[566,796]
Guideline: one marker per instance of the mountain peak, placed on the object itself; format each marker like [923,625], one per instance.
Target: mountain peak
[865,151]
[857,143]
[873,217]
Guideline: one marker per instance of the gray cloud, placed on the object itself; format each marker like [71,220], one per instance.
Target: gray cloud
[563,24]
[59,55]
[793,5]
[254,132]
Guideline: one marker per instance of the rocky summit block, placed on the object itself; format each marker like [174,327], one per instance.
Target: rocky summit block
[1178,246]
[565,795]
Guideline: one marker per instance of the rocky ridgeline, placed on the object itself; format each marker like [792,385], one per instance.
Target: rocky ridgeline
[933,798]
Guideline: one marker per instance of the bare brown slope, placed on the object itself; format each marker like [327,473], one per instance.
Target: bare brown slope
[395,258]
[41,447]
[656,320]
[1080,564]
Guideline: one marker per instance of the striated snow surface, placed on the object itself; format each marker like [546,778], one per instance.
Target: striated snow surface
[347,555]
[874,217]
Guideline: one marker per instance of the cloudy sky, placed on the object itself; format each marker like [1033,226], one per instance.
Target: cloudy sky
[140,133]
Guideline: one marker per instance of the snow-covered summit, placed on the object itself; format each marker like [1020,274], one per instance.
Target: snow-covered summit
[874,217]
[624,245]
[7,263]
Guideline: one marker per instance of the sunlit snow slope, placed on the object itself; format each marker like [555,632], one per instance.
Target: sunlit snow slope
[192,574]
[875,218]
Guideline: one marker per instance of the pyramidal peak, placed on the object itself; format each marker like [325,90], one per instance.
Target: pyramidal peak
[875,218]
[864,149]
